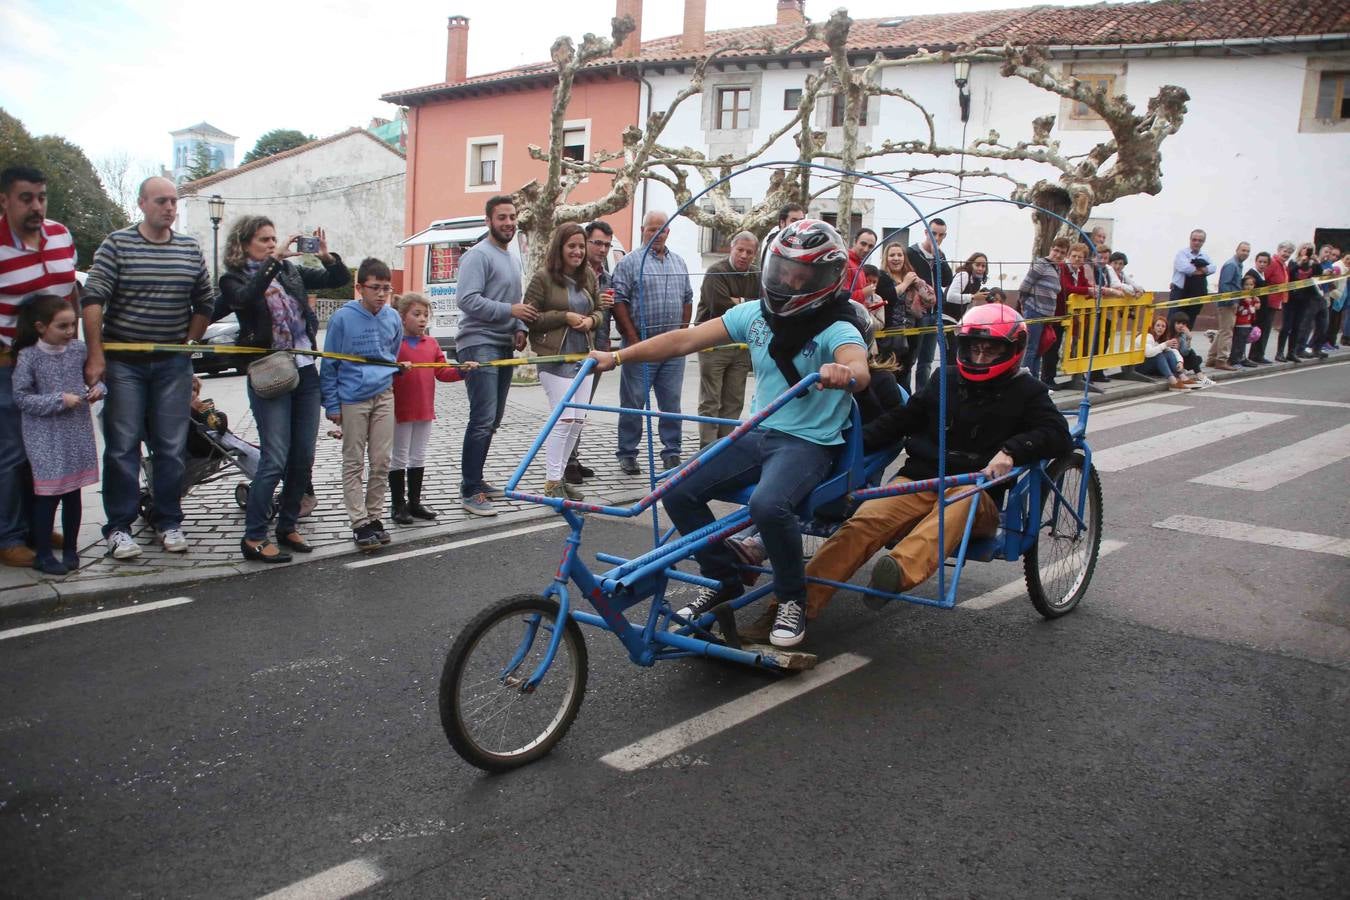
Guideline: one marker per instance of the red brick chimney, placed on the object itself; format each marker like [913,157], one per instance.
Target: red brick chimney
[695,21]
[457,50]
[791,12]
[632,45]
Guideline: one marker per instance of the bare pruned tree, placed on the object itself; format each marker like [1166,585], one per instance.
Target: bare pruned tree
[1127,163]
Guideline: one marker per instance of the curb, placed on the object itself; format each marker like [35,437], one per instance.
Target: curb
[51,597]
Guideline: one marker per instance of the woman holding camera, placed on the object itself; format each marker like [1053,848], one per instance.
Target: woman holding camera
[269,294]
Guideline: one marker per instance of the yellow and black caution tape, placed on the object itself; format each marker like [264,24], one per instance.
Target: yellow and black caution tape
[122,347]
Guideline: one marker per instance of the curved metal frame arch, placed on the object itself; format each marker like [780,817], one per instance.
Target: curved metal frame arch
[1084,404]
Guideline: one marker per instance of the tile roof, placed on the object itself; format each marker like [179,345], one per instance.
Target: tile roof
[193,187]
[1160,21]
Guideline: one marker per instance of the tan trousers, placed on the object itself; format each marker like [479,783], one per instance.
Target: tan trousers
[878,522]
[721,390]
[1223,341]
[367,429]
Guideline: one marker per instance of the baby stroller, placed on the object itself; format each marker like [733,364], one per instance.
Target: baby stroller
[213,453]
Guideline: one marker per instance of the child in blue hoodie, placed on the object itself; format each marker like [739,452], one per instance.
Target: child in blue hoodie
[360,396]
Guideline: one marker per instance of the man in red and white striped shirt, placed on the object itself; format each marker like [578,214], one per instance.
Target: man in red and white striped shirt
[37,256]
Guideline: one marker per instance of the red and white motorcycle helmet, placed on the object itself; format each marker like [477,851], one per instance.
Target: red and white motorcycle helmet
[804,267]
[990,323]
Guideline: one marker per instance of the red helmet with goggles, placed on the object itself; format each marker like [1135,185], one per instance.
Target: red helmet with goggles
[804,267]
[990,342]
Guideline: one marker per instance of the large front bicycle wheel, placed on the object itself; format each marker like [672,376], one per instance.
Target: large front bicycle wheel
[489,714]
[1059,564]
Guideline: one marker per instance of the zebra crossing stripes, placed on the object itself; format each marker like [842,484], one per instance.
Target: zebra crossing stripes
[1258,534]
[1261,473]
[1128,415]
[1181,440]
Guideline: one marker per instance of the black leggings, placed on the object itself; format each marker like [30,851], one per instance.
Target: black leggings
[44,517]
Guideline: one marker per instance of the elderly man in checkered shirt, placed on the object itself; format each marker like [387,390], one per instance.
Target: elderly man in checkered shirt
[652,295]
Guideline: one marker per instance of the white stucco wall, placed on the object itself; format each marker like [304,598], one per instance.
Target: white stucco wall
[353,188]
[1239,167]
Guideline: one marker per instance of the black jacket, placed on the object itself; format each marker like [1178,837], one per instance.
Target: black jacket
[1014,413]
[882,394]
[245,297]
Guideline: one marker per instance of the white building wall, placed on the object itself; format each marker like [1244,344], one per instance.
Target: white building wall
[1239,167]
[353,188]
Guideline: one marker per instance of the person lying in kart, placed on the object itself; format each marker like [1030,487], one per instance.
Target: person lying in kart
[803,324]
[999,417]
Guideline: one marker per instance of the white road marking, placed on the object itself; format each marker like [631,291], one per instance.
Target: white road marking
[1181,440]
[453,545]
[1258,534]
[1292,401]
[340,881]
[1261,473]
[1301,370]
[94,617]
[1014,589]
[1116,417]
[672,740]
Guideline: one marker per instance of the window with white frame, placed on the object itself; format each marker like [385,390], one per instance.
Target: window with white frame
[1325,106]
[484,163]
[837,111]
[576,140]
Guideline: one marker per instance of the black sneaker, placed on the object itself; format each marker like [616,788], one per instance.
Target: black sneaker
[380,534]
[365,538]
[628,466]
[789,625]
[671,460]
[707,598]
[573,474]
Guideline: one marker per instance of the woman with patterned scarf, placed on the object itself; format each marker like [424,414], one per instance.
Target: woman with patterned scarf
[269,294]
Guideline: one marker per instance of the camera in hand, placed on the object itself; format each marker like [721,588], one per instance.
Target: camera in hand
[307,244]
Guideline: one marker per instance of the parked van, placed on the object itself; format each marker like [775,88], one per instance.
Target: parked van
[446,241]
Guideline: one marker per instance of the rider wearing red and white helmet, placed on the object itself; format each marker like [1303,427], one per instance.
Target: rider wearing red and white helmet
[998,416]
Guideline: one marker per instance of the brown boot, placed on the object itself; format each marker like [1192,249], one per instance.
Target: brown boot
[19,556]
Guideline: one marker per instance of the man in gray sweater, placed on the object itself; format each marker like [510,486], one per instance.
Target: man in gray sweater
[492,324]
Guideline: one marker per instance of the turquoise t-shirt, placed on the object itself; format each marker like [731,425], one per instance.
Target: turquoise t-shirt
[820,416]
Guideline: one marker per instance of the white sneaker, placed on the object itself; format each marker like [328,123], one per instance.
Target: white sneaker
[789,625]
[174,540]
[122,545]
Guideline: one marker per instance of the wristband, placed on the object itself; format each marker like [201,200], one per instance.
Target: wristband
[615,354]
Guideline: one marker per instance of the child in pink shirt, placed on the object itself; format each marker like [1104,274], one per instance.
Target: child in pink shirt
[415,408]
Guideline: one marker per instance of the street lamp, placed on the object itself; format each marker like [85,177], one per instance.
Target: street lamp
[962,67]
[216,210]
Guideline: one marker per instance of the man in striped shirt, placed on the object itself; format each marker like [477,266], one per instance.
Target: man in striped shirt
[148,285]
[37,257]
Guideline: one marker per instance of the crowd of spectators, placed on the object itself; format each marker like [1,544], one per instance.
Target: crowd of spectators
[149,285]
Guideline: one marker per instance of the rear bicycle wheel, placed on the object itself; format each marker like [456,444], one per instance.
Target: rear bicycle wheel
[491,719]
[1060,563]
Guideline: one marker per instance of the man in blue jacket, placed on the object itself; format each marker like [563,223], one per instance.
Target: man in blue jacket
[1230,279]
[359,396]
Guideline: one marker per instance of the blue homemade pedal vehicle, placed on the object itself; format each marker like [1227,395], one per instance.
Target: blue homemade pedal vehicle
[514,678]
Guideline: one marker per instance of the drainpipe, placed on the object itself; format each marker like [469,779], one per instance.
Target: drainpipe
[642,214]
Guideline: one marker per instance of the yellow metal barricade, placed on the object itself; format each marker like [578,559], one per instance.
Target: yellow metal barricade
[1119,333]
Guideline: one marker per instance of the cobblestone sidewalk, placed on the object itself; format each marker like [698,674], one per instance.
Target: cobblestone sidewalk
[214,522]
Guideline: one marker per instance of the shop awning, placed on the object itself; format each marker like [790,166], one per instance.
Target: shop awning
[444,234]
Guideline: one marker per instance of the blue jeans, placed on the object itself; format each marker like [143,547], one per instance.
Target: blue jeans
[1032,358]
[1164,364]
[787,469]
[288,428]
[666,379]
[487,389]
[923,365]
[14,488]
[147,401]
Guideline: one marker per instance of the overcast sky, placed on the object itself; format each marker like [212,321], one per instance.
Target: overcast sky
[119,76]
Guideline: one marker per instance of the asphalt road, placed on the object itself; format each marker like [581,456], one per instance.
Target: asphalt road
[1185,732]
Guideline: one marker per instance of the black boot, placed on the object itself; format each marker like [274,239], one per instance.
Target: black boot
[415,506]
[399,513]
